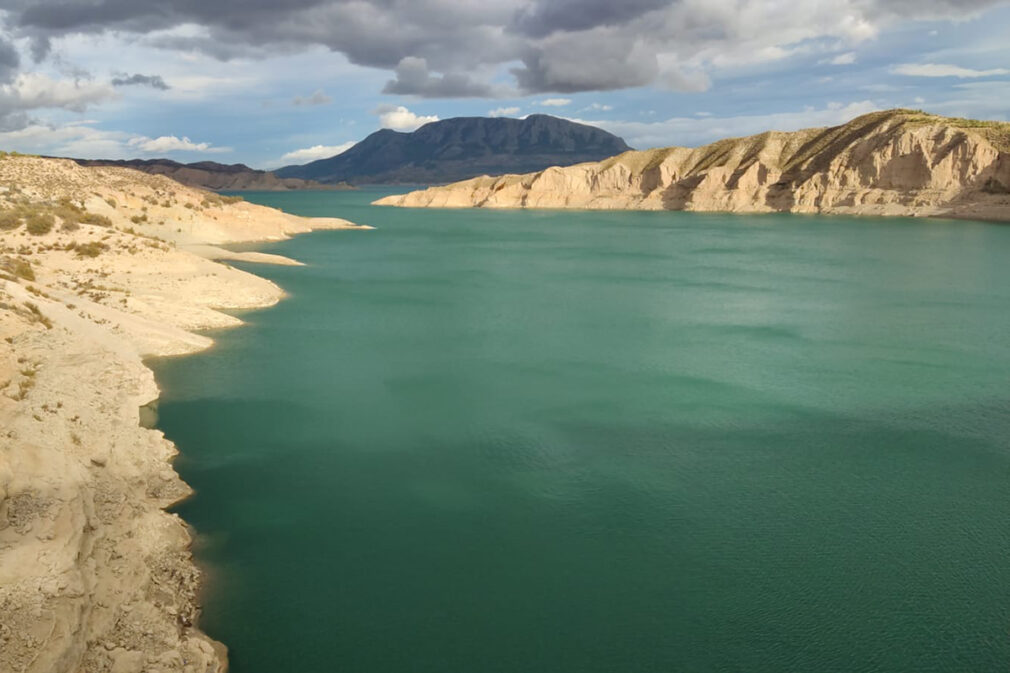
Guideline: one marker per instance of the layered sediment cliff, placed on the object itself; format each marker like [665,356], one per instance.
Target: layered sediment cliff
[99,268]
[899,162]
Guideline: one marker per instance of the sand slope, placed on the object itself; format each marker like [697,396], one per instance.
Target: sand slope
[899,162]
[94,574]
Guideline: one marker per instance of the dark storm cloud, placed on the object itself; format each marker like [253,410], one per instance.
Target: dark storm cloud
[544,17]
[414,79]
[560,65]
[74,15]
[436,46]
[153,81]
[13,121]
[370,32]
[9,61]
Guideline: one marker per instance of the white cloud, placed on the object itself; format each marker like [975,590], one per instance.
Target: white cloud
[503,112]
[318,97]
[881,88]
[978,99]
[677,74]
[172,144]
[399,118]
[943,70]
[77,140]
[597,107]
[847,58]
[34,90]
[201,87]
[317,152]
[555,102]
[694,131]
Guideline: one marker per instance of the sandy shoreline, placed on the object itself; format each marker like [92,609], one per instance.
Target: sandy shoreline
[95,575]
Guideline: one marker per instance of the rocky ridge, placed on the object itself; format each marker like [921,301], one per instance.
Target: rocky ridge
[898,162]
[214,176]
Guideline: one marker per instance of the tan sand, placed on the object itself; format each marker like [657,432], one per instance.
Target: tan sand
[94,574]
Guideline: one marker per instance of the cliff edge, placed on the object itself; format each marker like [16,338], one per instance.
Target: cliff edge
[897,162]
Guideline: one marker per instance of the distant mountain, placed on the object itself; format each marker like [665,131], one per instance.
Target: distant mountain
[463,147]
[214,176]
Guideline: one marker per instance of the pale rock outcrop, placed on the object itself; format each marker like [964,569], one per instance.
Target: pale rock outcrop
[898,162]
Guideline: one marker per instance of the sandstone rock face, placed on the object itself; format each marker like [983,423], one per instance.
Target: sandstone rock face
[897,162]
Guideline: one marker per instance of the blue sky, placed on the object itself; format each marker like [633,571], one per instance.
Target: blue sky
[288,81]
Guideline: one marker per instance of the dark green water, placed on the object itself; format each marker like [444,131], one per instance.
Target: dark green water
[482,441]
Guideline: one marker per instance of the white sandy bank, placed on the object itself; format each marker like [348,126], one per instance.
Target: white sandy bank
[94,574]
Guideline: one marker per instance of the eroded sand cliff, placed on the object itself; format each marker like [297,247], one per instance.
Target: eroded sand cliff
[94,574]
[899,162]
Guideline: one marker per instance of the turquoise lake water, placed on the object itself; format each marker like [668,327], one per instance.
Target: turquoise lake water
[477,441]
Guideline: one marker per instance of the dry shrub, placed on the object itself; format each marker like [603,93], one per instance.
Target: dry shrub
[90,249]
[9,220]
[39,223]
[96,219]
[17,267]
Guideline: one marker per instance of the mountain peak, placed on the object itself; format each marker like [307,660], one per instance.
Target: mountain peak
[463,147]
